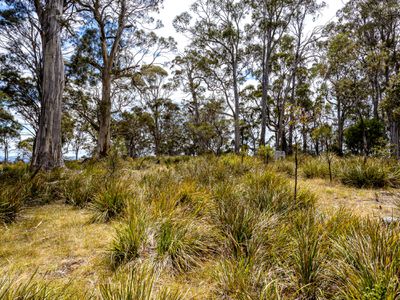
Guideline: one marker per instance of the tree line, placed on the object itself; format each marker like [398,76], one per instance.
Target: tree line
[88,75]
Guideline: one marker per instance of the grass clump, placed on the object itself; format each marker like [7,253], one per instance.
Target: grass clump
[368,262]
[372,174]
[110,203]
[272,193]
[129,240]
[238,279]
[11,205]
[237,220]
[185,243]
[307,256]
[315,168]
[12,288]
[138,284]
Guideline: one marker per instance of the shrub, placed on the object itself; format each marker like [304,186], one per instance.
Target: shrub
[129,240]
[110,203]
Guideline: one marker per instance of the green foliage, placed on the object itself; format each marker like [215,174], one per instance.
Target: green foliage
[10,205]
[375,133]
[368,262]
[139,284]
[306,255]
[238,279]
[315,168]
[266,153]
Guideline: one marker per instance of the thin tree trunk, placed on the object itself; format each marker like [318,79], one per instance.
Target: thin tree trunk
[237,108]
[48,152]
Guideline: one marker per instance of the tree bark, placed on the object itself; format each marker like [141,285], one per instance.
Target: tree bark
[104,140]
[48,146]
[237,108]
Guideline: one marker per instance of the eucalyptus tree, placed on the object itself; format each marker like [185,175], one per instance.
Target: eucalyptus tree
[216,27]
[270,21]
[32,19]
[114,44]
[305,43]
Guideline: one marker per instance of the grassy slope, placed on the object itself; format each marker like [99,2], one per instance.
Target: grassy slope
[60,243]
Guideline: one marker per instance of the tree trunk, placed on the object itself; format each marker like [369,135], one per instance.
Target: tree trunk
[103,141]
[237,108]
[5,151]
[394,138]
[340,128]
[48,147]
[264,97]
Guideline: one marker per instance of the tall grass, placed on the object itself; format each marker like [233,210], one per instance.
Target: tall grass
[109,203]
[13,288]
[139,284]
[129,240]
[185,243]
[367,262]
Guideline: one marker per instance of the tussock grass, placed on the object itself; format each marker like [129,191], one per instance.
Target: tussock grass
[185,244]
[14,288]
[110,202]
[138,284]
[130,239]
[228,227]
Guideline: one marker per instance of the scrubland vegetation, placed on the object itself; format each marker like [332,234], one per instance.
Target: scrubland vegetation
[209,227]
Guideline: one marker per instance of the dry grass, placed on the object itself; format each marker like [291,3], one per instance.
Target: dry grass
[363,202]
[59,243]
[213,228]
